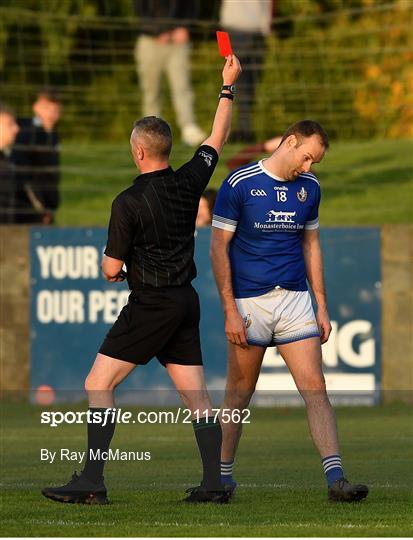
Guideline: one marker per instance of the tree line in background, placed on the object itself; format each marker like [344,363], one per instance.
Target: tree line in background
[346,63]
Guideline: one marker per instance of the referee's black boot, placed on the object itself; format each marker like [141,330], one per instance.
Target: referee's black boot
[342,491]
[78,490]
[199,494]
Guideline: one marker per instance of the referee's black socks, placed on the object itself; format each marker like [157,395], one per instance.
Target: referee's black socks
[100,430]
[209,438]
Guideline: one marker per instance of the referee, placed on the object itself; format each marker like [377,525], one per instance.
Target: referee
[151,231]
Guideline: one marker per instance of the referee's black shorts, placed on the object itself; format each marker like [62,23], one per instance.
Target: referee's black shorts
[160,322]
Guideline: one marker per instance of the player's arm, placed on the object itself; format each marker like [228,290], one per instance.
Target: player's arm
[222,122]
[112,269]
[315,274]
[219,253]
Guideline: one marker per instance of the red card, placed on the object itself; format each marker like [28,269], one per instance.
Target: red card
[224,43]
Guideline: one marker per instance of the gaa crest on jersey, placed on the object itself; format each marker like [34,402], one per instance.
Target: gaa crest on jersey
[302,195]
[247,320]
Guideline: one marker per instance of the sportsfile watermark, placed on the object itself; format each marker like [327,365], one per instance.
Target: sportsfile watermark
[114,415]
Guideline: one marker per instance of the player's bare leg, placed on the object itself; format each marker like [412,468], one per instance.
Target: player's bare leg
[244,366]
[190,384]
[303,359]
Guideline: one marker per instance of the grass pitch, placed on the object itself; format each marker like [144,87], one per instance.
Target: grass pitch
[281,484]
[362,183]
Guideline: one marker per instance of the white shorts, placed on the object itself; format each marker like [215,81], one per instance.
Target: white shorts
[278,317]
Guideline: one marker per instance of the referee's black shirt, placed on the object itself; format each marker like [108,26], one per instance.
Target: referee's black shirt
[152,223]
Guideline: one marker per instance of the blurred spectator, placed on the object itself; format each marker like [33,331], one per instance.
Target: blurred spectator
[248,22]
[36,157]
[248,153]
[164,47]
[8,132]
[205,208]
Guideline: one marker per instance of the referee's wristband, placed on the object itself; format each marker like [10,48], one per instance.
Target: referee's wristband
[228,96]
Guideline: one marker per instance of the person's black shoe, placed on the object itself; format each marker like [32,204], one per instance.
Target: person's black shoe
[78,490]
[198,494]
[343,491]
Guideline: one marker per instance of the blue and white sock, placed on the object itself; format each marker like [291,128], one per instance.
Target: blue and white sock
[226,471]
[332,468]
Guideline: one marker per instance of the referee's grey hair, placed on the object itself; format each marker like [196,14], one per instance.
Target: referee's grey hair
[157,133]
[306,128]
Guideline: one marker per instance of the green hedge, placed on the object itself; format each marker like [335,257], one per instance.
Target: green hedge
[345,64]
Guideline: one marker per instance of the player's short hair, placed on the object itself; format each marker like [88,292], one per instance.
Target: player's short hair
[304,129]
[50,94]
[5,109]
[157,135]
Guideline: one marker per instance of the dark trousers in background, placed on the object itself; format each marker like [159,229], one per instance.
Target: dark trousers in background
[250,49]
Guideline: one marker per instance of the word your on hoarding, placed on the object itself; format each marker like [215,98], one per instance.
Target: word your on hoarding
[68,262]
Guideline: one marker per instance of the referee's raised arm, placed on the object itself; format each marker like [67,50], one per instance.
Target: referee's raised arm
[222,122]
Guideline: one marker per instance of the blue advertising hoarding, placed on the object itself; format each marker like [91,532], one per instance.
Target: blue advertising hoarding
[72,308]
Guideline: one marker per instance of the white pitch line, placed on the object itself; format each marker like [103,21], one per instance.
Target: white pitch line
[64,522]
[299,525]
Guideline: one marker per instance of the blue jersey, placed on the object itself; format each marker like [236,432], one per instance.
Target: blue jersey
[268,216]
